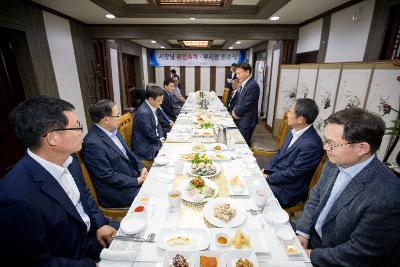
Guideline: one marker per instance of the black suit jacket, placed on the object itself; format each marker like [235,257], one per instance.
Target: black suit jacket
[167,106]
[247,105]
[40,225]
[114,175]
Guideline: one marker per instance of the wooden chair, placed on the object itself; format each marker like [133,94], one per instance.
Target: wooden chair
[279,139]
[125,127]
[314,180]
[108,212]
[225,97]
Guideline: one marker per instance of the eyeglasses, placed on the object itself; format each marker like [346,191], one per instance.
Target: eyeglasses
[159,100]
[79,129]
[331,147]
[115,116]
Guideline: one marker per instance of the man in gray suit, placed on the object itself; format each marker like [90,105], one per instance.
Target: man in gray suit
[353,215]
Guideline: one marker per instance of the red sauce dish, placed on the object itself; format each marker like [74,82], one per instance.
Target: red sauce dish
[138,209]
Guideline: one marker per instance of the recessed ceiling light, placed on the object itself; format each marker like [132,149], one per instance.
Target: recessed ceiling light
[238,42]
[274,18]
[192,18]
[231,47]
[153,42]
[162,47]
[110,16]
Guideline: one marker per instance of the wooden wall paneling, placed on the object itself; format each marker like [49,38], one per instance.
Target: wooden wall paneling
[307,57]
[85,57]
[384,87]
[353,85]
[213,72]
[325,92]
[167,72]
[135,50]
[323,44]
[182,80]
[307,80]
[227,70]
[197,78]
[19,15]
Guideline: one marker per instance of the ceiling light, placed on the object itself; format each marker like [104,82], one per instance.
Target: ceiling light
[231,47]
[162,47]
[274,18]
[192,18]
[238,42]
[153,42]
[198,44]
[110,16]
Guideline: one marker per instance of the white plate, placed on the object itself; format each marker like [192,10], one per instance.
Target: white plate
[219,156]
[236,221]
[212,147]
[295,245]
[199,238]
[275,215]
[186,196]
[199,147]
[217,167]
[133,223]
[257,239]
[233,256]
[285,233]
[170,254]
[218,254]
[238,190]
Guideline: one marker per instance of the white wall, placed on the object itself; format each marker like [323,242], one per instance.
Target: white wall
[189,79]
[219,80]
[309,37]
[145,69]
[63,58]
[205,78]
[348,39]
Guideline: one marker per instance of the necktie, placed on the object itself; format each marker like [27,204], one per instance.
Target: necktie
[165,115]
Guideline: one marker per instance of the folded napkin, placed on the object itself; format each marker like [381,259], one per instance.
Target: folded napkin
[117,255]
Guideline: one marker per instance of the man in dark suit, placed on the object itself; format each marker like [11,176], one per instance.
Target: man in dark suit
[116,172]
[148,133]
[231,76]
[47,215]
[234,95]
[245,112]
[353,215]
[168,102]
[290,170]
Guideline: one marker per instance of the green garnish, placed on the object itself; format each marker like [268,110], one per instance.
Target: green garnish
[201,158]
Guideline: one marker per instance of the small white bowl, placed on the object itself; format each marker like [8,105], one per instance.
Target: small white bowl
[224,236]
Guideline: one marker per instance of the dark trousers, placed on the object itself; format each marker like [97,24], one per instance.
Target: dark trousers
[247,133]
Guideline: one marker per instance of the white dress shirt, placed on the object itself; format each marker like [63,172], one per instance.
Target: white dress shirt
[296,135]
[66,181]
[114,138]
[244,83]
[154,114]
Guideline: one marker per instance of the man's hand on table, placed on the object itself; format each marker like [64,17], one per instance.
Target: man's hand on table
[234,115]
[104,235]
[308,251]
[303,242]
[143,175]
[171,123]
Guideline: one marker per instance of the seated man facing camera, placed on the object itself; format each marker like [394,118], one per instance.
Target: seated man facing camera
[47,215]
[116,172]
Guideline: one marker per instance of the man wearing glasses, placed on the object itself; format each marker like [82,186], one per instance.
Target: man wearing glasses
[116,172]
[353,215]
[47,215]
[148,133]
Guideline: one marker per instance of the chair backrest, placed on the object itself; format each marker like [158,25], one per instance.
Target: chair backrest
[125,127]
[225,96]
[317,173]
[283,129]
[87,179]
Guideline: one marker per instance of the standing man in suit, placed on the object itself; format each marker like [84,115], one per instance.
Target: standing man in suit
[148,134]
[353,215]
[116,172]
[231,76]
[47,215]
[234,95]
[245,113]
[290,170]
[168,102]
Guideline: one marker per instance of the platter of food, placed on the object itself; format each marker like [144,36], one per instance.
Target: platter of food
[209,259]
[224,212]
[241,258]
[178,259]
[183,239]
[203,166]
[198,190]
[219,156]
[218,147]
[199,147]
[237,186]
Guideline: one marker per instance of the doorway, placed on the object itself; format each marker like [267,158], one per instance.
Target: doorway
[11,93]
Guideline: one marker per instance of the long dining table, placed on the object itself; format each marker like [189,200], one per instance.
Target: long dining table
[165,175]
